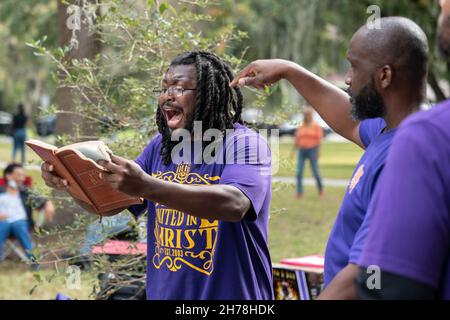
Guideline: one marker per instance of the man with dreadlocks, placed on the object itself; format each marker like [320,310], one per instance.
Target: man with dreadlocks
[207,222]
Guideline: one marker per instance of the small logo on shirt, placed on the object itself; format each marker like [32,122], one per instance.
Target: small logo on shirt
[356,178]
[183,172]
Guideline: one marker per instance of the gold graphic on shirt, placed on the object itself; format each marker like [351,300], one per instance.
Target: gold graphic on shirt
[356,178]
[182,239]
[183,176]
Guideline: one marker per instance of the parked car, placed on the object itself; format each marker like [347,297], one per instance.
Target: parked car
[254,118]
[5,122]
[45,126]
[290,127]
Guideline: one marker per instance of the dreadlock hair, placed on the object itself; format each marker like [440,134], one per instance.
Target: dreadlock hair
[217,105]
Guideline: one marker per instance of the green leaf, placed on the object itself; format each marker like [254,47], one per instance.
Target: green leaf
[37,277]
[163,7]
[32,290]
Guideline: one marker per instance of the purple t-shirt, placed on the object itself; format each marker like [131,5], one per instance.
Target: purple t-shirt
[409,233]
[190,258]
[357,198]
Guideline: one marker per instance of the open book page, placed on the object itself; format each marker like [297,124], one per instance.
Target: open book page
[94,150]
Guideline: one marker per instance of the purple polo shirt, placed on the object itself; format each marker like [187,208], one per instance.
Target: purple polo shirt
[409,232]
[352,213]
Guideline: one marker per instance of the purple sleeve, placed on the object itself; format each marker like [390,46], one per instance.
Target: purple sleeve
[360,237]
[361,234]
[369,129]
[145,158]
[409,231]
[251,174]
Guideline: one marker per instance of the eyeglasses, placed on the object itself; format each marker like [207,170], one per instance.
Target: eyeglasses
[173,91]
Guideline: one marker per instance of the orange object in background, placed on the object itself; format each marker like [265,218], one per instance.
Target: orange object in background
[308,137]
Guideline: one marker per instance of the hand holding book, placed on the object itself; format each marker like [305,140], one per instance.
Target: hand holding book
[51,179]
[74,169]
[123,175]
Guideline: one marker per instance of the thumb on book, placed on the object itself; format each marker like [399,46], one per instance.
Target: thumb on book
[118,160]
[109,166]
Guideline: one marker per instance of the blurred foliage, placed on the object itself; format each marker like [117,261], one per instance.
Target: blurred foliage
[24,77]
[139,39]
[316,34]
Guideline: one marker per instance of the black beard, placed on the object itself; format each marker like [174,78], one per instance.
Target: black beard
[368,104]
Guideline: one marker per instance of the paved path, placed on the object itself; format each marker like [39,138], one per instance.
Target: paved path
[312,182]
[3,164]
[289,180]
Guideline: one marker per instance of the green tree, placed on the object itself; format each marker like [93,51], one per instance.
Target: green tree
[316,34]
[424,12]
[23,77]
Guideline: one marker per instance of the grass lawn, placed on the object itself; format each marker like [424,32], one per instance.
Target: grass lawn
[301,227]
[17,281]
[6,153]
[337,160]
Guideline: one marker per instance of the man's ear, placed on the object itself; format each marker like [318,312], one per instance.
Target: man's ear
[385,75]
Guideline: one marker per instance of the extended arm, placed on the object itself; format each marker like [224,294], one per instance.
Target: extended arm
[343,286]
[332,103]
[218,202]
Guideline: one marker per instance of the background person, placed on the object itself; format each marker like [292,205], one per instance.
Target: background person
[16,206]
[19,134]
[307,142]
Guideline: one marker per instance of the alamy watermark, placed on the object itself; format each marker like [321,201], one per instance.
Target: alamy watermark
[373,281]
[374,21]
[81,12]
[73,278]
[234,146]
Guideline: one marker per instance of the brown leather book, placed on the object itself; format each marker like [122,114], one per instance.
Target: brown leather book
[77,163]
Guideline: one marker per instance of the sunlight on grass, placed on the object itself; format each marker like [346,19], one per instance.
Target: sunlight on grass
[301,227]
[337,160]
[17,281]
